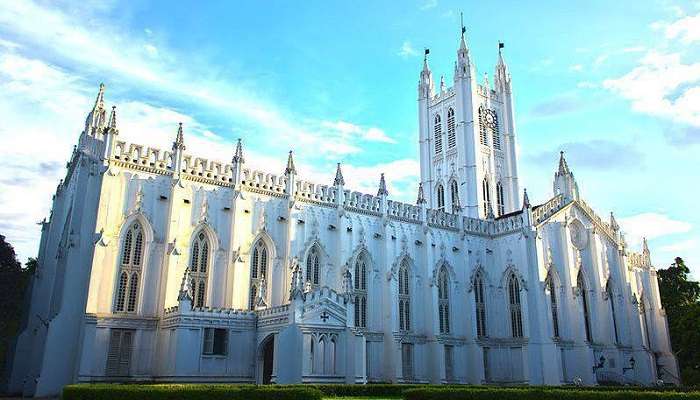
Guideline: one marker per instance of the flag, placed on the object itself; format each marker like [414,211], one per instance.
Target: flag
[427,51]
[501,45]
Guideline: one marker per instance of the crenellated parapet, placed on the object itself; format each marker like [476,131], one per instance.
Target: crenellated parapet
[441,219]
[404,212]
[316,193]
[542,212]
[263,182]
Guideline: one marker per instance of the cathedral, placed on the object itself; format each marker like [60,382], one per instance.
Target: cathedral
[156,265]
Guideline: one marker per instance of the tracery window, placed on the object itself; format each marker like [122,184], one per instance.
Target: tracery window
[454,196]
[130,269]
[443,300]
[313,266]
[451,136]
[360,283]
[584,305]
[258,270]
[441,197]
[488,124]
[480,302]
[404,298]
[199,268]
[486,192]
[438,134]
[553,305]
[611,299]
[500,199]
[516,318]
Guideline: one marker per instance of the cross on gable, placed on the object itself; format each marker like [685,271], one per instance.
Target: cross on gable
[324,316]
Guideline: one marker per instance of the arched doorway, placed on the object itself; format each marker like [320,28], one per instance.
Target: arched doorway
[268,356]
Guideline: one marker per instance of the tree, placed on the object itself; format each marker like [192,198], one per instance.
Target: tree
[14,281]
[680,297]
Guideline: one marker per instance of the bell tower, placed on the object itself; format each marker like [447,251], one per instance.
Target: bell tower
[467,140]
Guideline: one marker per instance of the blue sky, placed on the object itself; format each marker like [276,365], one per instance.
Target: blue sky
[614,84]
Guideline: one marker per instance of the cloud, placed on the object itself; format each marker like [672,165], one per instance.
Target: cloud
[587,85]
[576,68]
[683,135]
[428,4]
[602,155]
[687,29]
[371,134]
[651,226]
[556,106]
[662,85]
[407,50]
[691,244]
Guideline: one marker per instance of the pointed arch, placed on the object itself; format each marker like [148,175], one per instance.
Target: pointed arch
[500,200]
[440,197]
[136,236]
[611,299]
[313,266]
[454,195]
[201,255]
[443,287]
[451,135]
[361,267]
[479,286]
[550,285]
[437,128]
[514,306]
[404,295]
[486,195]
[260,261]
[584,302]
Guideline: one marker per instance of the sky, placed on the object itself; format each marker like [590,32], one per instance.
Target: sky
[616,85]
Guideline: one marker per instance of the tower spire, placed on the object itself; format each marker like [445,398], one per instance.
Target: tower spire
[425,84]
[382,187]
[338,181]
[113,119]
[563,166]
[290,165]
[564,182]
[238,153]
[179,143]
[97,118]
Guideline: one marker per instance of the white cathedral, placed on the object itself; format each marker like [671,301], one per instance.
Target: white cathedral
[161,266]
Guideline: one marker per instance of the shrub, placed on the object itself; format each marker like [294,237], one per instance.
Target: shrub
[524,393]
[188,392]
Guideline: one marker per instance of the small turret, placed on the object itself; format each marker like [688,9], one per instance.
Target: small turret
[463,65]
[290,169]
[526,200]
[564,182]
[184,297]
[110,134]
[178,152]
[97,118]
[382,187]
[338,181]
[421,195]
[425,84]
[502,76]
[238,153]
[613,222]
[112,125]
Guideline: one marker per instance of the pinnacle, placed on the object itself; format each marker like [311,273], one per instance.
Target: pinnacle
[113,118]
[421,195]
[238,153]
[563,166]
[382,187]
[526,199]
[338,177]
[290,165]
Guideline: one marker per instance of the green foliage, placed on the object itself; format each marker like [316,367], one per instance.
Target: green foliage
[538,393]
[14,281]
[680,298]
[187,392]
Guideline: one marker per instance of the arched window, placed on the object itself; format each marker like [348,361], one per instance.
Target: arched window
[549,284]
[584,304]
[454,196]
[495,132]
[500,199]
[451,136]
[199,268]
[483,128]
[258,270]
[404,298]
[646,340]
[361,291]
[611,299]
[438,134]
[480,302]
[441,198]
[313,266]
[130,269]
[516,317]
[486,192]
[443,300]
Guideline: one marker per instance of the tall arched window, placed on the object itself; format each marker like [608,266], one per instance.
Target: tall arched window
[404,298]
[495,132]
[441,198]
[258,270]
[361,265]
[646,340]
[451,136]
[500,199]
[483,126]
[199,268]
[443,300]
[438,134]
[583,292]
[313,266]
[611,299]
[454,196]
[480,302]
[486,192]
[516,317]
[549,284]
[130,269]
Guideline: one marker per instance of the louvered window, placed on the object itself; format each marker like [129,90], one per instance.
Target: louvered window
[438,134]
[451,135]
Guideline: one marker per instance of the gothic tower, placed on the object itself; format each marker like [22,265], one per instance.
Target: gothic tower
[467,140]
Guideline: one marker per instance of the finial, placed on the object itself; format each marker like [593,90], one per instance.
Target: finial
[489,212]
[425,60]
[100,101]
[563,166]
[290,165]
[238,153]
[442,83]
[645,246]
[338,177]
[613,223]
[185,288]
[461,22]
[113,118]
[421,195]
[179,143]
[526,200]
[382,187]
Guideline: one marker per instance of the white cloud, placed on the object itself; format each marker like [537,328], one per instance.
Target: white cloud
[428,4]
[586,85]
[576,68]
[691,244]
[407,50]
[651,226]
[662,85]
[687,29]
[347,129]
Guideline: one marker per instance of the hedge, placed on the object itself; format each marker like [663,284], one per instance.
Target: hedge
[188,392]
[523,393]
